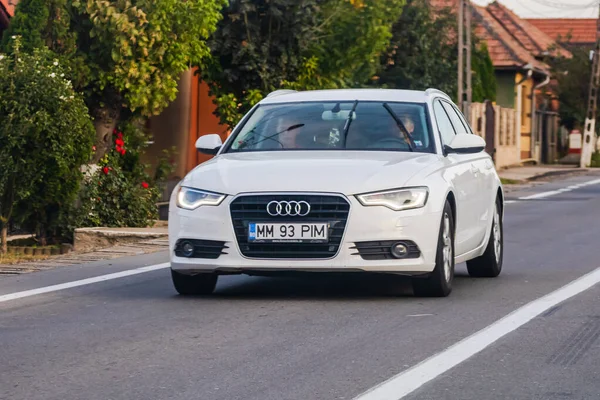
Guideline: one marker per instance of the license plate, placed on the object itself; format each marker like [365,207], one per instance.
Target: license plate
[308,232]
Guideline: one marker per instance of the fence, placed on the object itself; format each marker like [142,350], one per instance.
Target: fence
[498,126]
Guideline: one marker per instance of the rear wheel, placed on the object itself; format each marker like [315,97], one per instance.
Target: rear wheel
[439,282]
[489,264]
[199,284]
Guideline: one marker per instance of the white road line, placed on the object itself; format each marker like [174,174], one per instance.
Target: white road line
[559,191]
[541,195]
[82,282]
[412,379]
[510,201]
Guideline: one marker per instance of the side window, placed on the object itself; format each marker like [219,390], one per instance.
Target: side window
[464,120]
[459,126]
[447,132]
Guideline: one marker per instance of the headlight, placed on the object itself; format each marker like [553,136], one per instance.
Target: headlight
[190,199]
[397,199]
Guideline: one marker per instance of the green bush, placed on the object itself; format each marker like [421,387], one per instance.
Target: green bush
[46,134]
[118,191]
[595,160]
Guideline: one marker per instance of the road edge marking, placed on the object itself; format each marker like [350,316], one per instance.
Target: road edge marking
[550,193]
[406,382]
[82,282]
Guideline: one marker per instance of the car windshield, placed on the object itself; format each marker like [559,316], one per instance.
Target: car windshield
[373,125]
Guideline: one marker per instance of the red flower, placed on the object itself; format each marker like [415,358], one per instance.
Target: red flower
[145,185]
[123,151]
[120,142]
[115,131]
[120,135]
[105,170]
[118,148]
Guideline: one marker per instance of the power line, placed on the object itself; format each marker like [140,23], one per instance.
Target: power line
[563,6]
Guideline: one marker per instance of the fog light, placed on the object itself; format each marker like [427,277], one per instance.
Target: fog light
[187,249]
[399,250]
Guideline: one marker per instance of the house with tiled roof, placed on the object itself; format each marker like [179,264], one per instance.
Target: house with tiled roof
[518,49]
[573,31]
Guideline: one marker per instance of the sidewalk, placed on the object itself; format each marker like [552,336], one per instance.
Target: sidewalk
[98,244]
[532,173]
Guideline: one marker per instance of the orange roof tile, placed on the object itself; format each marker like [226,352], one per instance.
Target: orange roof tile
[582,31]
[530,37]
[9,6]
[512,41]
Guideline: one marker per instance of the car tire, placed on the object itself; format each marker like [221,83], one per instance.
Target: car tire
[489,264]
[439,282]
[189,285]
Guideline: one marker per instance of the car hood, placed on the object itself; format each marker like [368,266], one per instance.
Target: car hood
[347,172]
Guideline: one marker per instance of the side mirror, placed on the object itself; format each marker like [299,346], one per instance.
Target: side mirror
[466,144]
[209,144]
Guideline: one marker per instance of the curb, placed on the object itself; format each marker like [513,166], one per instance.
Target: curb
[549,174]
[92,239]
[558,173]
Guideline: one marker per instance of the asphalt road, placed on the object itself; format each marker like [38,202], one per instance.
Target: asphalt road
[316,337]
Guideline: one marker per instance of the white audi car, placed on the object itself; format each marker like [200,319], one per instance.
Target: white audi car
[379,181]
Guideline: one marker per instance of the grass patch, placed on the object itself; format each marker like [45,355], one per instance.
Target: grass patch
[506,181]
[18,258]
[595,160]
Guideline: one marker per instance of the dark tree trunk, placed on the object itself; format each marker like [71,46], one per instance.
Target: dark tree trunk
[3,239]
[105,121]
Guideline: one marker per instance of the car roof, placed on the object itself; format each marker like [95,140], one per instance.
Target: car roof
[411,96]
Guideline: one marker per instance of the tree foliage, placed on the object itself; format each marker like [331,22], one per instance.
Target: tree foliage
[125,53]
[351,38]
[139,48]
[45,136]
[423,53]
[571,84]
[264,45]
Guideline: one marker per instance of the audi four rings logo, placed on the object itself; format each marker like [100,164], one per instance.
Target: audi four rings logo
[288,208]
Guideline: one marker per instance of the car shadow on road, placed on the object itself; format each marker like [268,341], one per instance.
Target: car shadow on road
[310,286]
[317,285]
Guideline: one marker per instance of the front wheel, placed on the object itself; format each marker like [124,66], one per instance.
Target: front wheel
[439,282]
[489,264]
[199,284]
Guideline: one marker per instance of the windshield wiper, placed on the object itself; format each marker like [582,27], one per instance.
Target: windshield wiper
[411,143]
[270,137]
[347,126]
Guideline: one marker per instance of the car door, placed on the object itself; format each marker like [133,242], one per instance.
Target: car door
[459,173]
[478,197]
[487,182]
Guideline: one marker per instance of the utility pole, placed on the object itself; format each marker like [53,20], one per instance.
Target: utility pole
[465,93]
[588,145]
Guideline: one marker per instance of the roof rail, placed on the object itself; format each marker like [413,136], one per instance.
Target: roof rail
[436,91]
[280,92]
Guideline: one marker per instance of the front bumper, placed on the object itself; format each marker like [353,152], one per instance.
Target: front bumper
[364,224]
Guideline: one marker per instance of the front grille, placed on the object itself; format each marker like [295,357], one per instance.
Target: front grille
[381,250]
[330,209]
[210,249]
